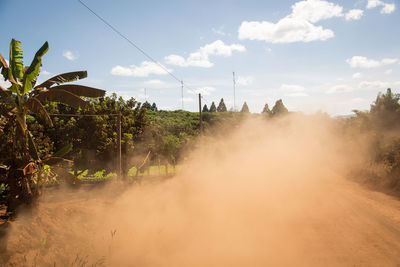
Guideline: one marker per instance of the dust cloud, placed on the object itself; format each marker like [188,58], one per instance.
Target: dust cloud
[269,193]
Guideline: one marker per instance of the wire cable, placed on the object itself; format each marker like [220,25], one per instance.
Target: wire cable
[130,42]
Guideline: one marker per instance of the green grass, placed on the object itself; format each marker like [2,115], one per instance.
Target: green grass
[102,175]
[153,171]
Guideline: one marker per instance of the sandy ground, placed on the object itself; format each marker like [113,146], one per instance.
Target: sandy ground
[347,225]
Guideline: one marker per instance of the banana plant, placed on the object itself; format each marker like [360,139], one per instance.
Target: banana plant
[24,97]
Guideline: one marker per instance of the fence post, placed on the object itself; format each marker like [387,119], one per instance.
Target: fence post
[201,117]
[119,154]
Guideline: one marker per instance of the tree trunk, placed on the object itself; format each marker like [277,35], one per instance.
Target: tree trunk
[159,166]
[13,200]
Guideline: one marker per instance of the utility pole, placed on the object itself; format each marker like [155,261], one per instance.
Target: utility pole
[145,94]
[119,154]
[234,92]
[201,118]
[182,93]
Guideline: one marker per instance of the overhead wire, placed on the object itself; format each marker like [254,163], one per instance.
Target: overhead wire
[138,48]
[130,42]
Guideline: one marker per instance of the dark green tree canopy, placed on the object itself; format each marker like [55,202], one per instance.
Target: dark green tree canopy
[266,110]
[221,106]
[147,105]
[245,108]
[385,111]
[154,107]
[205,108]
[213,108]
[279,108]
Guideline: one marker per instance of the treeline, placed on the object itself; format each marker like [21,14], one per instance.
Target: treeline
[278,109]
[380,127]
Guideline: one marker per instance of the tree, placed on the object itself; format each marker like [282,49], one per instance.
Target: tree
[147,105]
[279,109]
[205,108]
[23,98]
[245,108]
[385,111]
[221,106]
[266,110]
[213,108]
[154,107]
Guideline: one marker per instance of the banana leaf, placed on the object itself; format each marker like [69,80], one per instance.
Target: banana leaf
[63,78]
[63,97]
[63,151]
[80,90]
[16,68]
[55,160]
[33,70]
[32,147]
[34,105]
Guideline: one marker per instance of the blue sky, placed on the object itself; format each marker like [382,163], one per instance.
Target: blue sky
[333,56]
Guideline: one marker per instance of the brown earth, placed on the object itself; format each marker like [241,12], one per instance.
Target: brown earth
[275,195]
[353,227]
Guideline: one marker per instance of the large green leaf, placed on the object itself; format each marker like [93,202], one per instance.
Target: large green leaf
[80,90]
[63,151]
[32,147]
[33,71]
[63,78]
[16,68]
[34,105]
[63,97]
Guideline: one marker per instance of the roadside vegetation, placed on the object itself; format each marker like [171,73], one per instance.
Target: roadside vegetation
[54,132]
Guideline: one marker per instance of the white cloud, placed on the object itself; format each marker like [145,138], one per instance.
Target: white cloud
[299,26]
[374,3]
[207,90]
[299,94]
[358,100]
[44,72]
[219,31]
[386,8]
[145,69]
[287,30]
[357,75]
[363,62]
[341,88]
[363,85]
[389,71]
[157,84]
[244,80]
[316,10]
[292,88]
[373,85]
[201,58]
[70,55]
[188,99]
[354,14]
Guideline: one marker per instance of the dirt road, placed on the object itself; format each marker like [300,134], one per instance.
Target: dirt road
[342,224]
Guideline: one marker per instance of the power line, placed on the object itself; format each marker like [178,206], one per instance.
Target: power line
[138,48]
[129,41]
